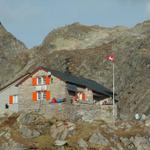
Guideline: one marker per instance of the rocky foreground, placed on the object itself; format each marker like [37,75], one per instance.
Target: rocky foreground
[32,131]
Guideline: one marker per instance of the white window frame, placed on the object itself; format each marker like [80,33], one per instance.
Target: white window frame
[42,80]
[42,95]
[15,99]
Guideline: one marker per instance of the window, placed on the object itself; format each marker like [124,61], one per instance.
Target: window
[38,95]
[13,99]
[41,95]
[40,80]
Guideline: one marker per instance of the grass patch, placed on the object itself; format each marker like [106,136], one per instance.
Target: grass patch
[44,142]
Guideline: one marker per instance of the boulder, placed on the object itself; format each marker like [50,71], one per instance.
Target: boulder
[62,130]
[98,138]
[119,146]
[71,126]
[59,123]
[127,143]
[114,138]
[11,145]
[5,133]
[61,148]
[141,143]
[33,118]
[53,131]
[26,118]
[147,122]
[64,134]
[82,144]
[112,148]
[60,142]
[28,133]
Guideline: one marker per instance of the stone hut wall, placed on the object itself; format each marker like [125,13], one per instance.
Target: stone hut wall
[57,90]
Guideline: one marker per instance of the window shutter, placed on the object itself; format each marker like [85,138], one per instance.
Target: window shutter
[15,99]
[34,81]
[48,95]
[47,80]
[34,96]
[10,99]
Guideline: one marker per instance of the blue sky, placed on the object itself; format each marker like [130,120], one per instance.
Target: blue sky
[31,20]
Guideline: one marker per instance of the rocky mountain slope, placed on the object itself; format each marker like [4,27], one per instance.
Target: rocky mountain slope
[13,56]
[82,49]
[32,131]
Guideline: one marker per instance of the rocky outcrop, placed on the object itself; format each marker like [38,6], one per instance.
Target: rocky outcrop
[28,133]
[99,139]
[13,56]
[82,144]
[33,131]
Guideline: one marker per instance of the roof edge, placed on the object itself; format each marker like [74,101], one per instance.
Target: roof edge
[13,81]
[33,72]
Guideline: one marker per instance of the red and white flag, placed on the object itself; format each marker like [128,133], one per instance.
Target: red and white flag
[111,57]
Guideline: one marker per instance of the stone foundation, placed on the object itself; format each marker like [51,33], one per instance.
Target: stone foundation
[71,112]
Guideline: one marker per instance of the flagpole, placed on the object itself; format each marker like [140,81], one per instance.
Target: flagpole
[112,58]
[113,90]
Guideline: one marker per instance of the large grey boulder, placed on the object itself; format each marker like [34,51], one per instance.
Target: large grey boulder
[141,143]
[30,118]
[147,122]
[98,138]
[82,144]
[34,120]
[11,145]
[127,143]
[64,134]
[60,142]
[62,130]
[5,133]
[119,146]
[53,131]
[28,133]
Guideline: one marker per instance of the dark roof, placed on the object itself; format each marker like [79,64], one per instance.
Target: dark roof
[67,77]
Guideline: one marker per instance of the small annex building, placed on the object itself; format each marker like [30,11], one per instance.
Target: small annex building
[44,85]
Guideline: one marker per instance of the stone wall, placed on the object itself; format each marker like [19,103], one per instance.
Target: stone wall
[57,90]
[71,112]
[25,96]
[4,99]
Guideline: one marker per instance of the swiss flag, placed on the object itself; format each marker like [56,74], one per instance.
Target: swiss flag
[111,57]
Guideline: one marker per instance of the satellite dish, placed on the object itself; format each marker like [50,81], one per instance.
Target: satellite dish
[137,116]
[49,73]
[143,117]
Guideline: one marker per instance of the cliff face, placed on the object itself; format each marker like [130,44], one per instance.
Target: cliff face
[82,49]
[12,56]
[77,36]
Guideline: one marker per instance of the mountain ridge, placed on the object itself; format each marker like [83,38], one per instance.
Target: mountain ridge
[86,48]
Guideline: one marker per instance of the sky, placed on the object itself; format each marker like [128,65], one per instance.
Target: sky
[31,20]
